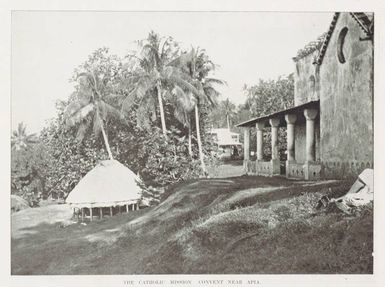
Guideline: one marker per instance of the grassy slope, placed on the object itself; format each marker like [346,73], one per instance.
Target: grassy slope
[208,226]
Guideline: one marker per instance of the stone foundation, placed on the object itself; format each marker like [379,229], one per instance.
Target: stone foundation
[263,168]
[312,171]
[294,170]
[337,169]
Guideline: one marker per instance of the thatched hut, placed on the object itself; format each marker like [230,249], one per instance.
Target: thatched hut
[109,185]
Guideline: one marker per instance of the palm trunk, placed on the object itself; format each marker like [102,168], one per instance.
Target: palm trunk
[189,142]
[228,122]
[162,118]
[106,141]
[199,140]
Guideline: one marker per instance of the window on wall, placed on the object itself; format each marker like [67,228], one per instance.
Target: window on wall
[340,45]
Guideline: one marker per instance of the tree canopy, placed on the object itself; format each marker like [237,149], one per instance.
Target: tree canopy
[133,103]
[153,109]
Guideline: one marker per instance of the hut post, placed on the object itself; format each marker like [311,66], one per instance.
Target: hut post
[110,210]
[127,208]
[82,209]
[90,213]
[101,212]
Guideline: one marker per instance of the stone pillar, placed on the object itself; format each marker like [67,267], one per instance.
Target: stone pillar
[246,149]
[290,121]
[275,163]
[259,127]
[310,169]
[274,138]
[246,144]
[310,115]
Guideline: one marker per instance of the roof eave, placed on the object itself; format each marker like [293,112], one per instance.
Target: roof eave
[253,121]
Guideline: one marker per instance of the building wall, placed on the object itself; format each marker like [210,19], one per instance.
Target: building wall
[306,80]
[300,142]
[346,97]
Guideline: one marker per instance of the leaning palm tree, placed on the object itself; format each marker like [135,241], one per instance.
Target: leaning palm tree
[89,108]
[156,75]
[20,139]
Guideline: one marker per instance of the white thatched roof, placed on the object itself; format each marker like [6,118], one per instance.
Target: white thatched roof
[109,183]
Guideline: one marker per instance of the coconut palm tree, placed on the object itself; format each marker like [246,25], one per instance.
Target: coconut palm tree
[228,109]
[156,75]
[89,107]
[184,104]
[20,139]
[198,66]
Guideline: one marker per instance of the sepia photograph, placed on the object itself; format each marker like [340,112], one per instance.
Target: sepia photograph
[192,142]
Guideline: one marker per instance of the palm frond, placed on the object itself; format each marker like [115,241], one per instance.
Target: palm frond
[174,76]
[215,81]
[114,97]
[86,79]
[211,95]
[82,130]
[184,99]
[182,116]
[108,111]
[76,113]
[128,102]
[32,138]
[165,48]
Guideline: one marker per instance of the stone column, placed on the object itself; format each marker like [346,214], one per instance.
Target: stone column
[310,115]
[275,163]
[310,169]
[259,127]
[274,138]
[246,148]
[290,121]
[246,143]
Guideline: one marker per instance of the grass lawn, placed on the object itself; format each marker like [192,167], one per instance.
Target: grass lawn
[243,224]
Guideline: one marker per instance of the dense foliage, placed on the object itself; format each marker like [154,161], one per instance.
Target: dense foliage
[121,108]
[268,97]
[150,110]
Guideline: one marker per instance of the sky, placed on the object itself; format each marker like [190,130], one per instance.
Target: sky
[247,46]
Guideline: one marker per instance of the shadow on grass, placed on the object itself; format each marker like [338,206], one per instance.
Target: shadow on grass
[74,249]
[174,240]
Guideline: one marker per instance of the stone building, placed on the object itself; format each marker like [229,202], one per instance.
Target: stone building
[330,128]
